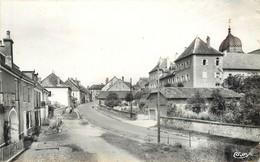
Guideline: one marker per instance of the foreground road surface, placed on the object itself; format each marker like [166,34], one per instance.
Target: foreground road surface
[76,142]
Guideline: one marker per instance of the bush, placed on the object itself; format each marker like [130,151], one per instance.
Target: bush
[218,105]
[112,100]
[196,103]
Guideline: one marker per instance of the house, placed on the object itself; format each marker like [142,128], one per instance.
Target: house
[103,95]
[78,91]
[140,85]
[119,86]
[199,65]
[40,96]
[95,89]
[60,92]
[18,115]
[179,95]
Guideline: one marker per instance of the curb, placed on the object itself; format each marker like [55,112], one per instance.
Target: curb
[16,155]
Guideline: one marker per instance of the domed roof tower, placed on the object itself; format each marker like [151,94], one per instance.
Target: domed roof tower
[231,44]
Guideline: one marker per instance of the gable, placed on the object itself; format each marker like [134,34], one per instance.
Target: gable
[119,86]
[109,84]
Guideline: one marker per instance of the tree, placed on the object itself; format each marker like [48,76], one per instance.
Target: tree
[197,102]
[234,82]
[218,104]
[129,97]
[112,100]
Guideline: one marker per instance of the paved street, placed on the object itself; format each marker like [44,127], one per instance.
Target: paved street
[125,129]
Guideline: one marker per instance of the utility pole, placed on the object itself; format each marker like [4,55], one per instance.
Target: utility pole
[158,105]
[131,107]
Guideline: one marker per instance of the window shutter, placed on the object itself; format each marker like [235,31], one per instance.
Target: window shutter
[207,61]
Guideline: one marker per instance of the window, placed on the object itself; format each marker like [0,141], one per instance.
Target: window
[182,78]
[177,79]
[204,62]
[16,89]
[204,74]
[1,81]
[217,74]
[187,77]
[217,61]
[24,92]
[29,94]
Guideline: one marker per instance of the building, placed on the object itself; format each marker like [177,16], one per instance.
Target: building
[118,86]
[199,65]
[140,85]
[178,96]
[78,91]
[18,115]
[95,89]
[60,92]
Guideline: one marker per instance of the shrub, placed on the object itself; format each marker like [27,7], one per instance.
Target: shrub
[112,100]
[196,103]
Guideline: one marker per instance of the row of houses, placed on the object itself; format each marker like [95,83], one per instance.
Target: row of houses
[25,99]
[22,98]
[65,94]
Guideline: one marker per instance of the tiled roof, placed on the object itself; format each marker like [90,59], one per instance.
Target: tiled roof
[241,61]
[121,94]
[255,52]
[170,74]
[96,87]
[51,81]
[154,69]
[185,92]
[198,47]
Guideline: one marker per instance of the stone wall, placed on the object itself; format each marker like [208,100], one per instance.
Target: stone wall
[245,132]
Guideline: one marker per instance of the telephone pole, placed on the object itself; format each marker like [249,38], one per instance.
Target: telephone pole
[158,105]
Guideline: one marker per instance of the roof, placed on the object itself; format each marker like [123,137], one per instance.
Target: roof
[53,81]
[230,41]
[255,52]
[198,47]
[120,94]
[185,92]
[96,87]
[168,75]
[154,69]
[241,61]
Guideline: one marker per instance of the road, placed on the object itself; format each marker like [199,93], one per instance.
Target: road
[125,129]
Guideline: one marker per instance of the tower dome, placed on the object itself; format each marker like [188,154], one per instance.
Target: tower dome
[231,44]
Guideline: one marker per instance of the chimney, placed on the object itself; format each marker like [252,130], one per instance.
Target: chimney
[106,80]
[7,49]
[208,41]
[123,78]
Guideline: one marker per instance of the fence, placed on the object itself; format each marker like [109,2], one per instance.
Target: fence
[202,146]
[9,151]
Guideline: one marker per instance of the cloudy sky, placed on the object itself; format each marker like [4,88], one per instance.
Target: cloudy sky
[92,40]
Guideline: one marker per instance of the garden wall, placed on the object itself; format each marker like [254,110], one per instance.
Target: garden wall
[117,113]
[245,132]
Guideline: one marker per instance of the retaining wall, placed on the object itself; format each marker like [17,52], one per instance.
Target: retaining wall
[245,132]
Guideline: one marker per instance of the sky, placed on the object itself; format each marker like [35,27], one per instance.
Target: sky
[95,40]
